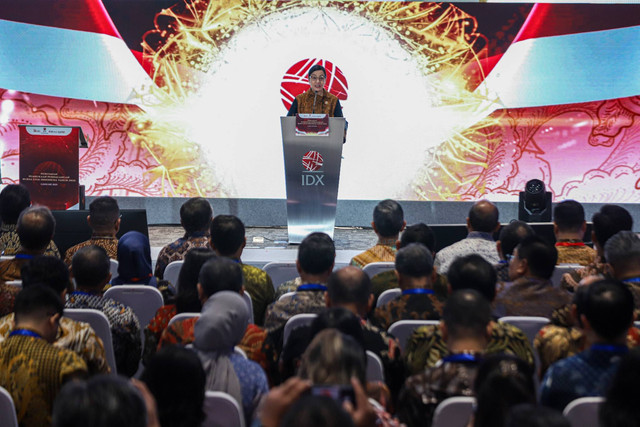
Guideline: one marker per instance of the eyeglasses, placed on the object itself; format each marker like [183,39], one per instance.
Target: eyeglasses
[319,79]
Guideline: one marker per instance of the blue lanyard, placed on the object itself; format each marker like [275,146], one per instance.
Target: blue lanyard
[25,332]
[23,256]
[416,291]
[632,280]
[312,287]
[81,293]
[611,348]
[462,357]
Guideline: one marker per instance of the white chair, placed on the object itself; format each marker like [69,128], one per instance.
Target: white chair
[16,283]
[113,268]
[377,267]
[375,369]
[281,272]
[247,298]
[295,322]
[560,270]
[403,329]
[637,323]
[172,272]
[143,300]
[583,412]
[453,412]
[530,325]
[287,295]
[100,324]
[183,316]
[388,295]
[221,410]
[8,416]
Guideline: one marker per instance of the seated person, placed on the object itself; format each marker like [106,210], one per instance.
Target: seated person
[388,222]
[33,370]
[134,260]
[569,227]
[104,220]
[511,235]
[195,217]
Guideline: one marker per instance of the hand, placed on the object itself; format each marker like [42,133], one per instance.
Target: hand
[363,415]
[276,403]
[149,402]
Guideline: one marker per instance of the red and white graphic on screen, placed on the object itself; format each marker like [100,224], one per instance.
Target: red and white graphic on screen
[296,81]
[312,161]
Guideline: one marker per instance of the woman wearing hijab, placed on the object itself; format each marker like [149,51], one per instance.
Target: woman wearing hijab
[221,326]
[134,260]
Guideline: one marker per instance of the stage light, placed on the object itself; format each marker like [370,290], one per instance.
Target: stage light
[534,204]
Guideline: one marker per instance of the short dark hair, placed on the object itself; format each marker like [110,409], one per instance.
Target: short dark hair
[35,228]
[14,198]
[541,256]
[568,215]
[623,250]
[101,401]
[220,274]
[483,216]
[530,415]
[227,234]
[388,218]
[466,314]
[341,319]
[104,212]
[473,272]
[608,308]
[419,233]
[414,260]
[187,297]
[609,220]
[316,411]
[315,68]
[512,234]
[316,253]
[90,266]
[195,215]
[37,300]
[349,285]
[46,270]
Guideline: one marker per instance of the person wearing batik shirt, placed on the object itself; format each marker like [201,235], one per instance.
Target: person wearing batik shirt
[482,222]
[569,227]
[388,222]
[228,239]
[104,220]
[90,269]
[195,217]
[426,346]
[510,236]
[414,267]
[466,327]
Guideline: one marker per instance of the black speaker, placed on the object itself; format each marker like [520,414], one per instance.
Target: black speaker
[534,203]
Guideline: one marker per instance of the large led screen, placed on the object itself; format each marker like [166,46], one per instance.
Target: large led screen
[445,101]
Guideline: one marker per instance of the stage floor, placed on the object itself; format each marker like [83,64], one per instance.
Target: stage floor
[267,244]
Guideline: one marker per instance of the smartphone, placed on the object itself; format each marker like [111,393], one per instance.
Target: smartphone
[340,393]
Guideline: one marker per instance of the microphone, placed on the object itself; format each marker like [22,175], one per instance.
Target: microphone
[313,110]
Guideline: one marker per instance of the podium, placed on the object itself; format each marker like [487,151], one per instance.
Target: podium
[312,173]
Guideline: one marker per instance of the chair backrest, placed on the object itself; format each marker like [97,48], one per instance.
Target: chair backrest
[113,268]
[16,283]
[530,325]
[287,295]
[453,412]
[377,267]
[247,298]
[560,270]
[403,329]
[172,272]
[183,316]
[295,322]
[281,272]
[375,369]
[583,412]
[100,324]
[143,300]
[221,410]
[388,295]
[8,416]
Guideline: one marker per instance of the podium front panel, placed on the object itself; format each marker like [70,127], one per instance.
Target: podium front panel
[312,173]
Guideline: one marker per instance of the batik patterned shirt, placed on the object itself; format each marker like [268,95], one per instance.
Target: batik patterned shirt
[78,337]
[570,281]
[528,296]
[301,302]
[384,251]
[260,287]
[575,252]
[407,307]
[125,328]
[175,251]
[8,295]
[10,242]
[475,243]
[109,244]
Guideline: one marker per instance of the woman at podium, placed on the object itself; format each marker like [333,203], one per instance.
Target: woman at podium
[316,100]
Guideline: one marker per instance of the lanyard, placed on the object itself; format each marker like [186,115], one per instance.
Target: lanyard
[416,291]
[570,244]
[611,348]
[25,332]
[311,287]
[23,256]
[632,280]
[462,357]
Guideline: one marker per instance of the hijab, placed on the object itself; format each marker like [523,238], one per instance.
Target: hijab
[134,260]
[222,324]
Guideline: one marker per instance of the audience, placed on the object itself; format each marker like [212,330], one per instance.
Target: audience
[482,222]
[104,220]
[620,408]
[511,235]
[134,260]
[605,314]
[222,324]
[317,411]
[466,328]
[622,253]
[388,222]
[414,268]
[228,240]
[15,198]
[195,217]
[33,370]
[569,227]
[78,337]
[530,292]
[90,269]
